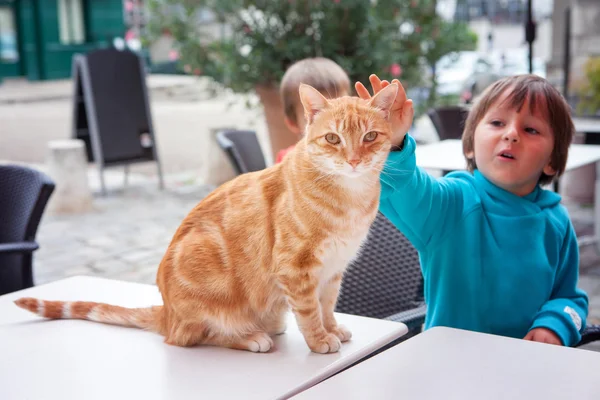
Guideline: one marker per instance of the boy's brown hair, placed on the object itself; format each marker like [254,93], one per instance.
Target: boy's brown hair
[540,93]
[321,73]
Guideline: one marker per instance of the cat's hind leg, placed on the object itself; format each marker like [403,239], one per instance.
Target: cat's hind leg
[257,342]
[187,334]
[277,326]
[236,330]
[275,320]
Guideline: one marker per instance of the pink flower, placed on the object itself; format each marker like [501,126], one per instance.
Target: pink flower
[173,55]
[418,29]
[129,35]
[129,5]
[395,70]
[336,1]
[197,71]
[187,68]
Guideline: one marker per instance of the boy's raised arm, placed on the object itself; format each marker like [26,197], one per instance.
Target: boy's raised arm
[422,207]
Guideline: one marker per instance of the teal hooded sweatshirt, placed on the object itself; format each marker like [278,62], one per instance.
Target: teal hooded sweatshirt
[492,261]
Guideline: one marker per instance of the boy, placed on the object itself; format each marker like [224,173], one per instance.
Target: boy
[321,73]
[498,253]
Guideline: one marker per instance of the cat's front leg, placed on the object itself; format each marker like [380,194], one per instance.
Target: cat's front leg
[301,289]
[329,296]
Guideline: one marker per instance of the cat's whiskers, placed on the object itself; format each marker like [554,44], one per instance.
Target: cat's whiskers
[382,178]
[317,171]
[325,175]
[390,170]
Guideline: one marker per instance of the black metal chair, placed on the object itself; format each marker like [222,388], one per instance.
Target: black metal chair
[385,280]
[242,149]
[590,334]
[24,193]
[449,121]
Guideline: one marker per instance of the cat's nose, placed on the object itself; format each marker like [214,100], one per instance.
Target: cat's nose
[354,163]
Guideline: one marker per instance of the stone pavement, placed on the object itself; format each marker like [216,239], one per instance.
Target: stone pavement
[124,237]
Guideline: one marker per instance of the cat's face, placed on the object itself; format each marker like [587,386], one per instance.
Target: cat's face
[348,136]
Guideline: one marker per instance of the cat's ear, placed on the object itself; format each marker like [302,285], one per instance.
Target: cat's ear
[385,99]
[313,101]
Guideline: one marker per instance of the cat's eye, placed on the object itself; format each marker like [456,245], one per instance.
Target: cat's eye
[332,138]
[369,137]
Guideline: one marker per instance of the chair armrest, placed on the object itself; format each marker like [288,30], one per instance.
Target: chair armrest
[18,247]
[590,334]
[412,318]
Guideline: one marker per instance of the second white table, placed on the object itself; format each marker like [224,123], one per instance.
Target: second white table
[444,363]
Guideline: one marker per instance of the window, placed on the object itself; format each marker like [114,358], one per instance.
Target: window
[8,36]
[70,21]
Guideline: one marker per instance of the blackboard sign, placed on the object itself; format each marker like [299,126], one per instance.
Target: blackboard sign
[111,112]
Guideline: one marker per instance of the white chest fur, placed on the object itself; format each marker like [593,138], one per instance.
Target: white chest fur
[338,252]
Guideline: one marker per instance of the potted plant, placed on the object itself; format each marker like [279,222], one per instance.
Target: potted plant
[259,39]
[589,91]
[579,184]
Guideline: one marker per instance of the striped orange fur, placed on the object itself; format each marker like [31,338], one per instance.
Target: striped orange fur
[133,317]
[269,241]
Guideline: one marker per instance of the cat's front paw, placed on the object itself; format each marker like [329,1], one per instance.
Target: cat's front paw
[329,343]
[341,332]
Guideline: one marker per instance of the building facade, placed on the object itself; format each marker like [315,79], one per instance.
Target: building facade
[500,11]
[584,38]
[38,38]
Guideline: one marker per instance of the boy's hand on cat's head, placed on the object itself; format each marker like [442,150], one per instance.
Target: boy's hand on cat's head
[543,335]
[402,112]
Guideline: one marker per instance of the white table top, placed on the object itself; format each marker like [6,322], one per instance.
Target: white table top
[447,155]
[444,363]
[71,359]
[587,125]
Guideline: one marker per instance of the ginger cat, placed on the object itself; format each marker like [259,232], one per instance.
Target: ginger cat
[269,240]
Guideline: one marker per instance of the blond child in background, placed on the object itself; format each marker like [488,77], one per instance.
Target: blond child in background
[321,73]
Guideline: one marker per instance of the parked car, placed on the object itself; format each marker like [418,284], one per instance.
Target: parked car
[506,62]
[516,62]
[458,70]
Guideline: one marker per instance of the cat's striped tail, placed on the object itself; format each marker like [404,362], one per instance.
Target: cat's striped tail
[144,318]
